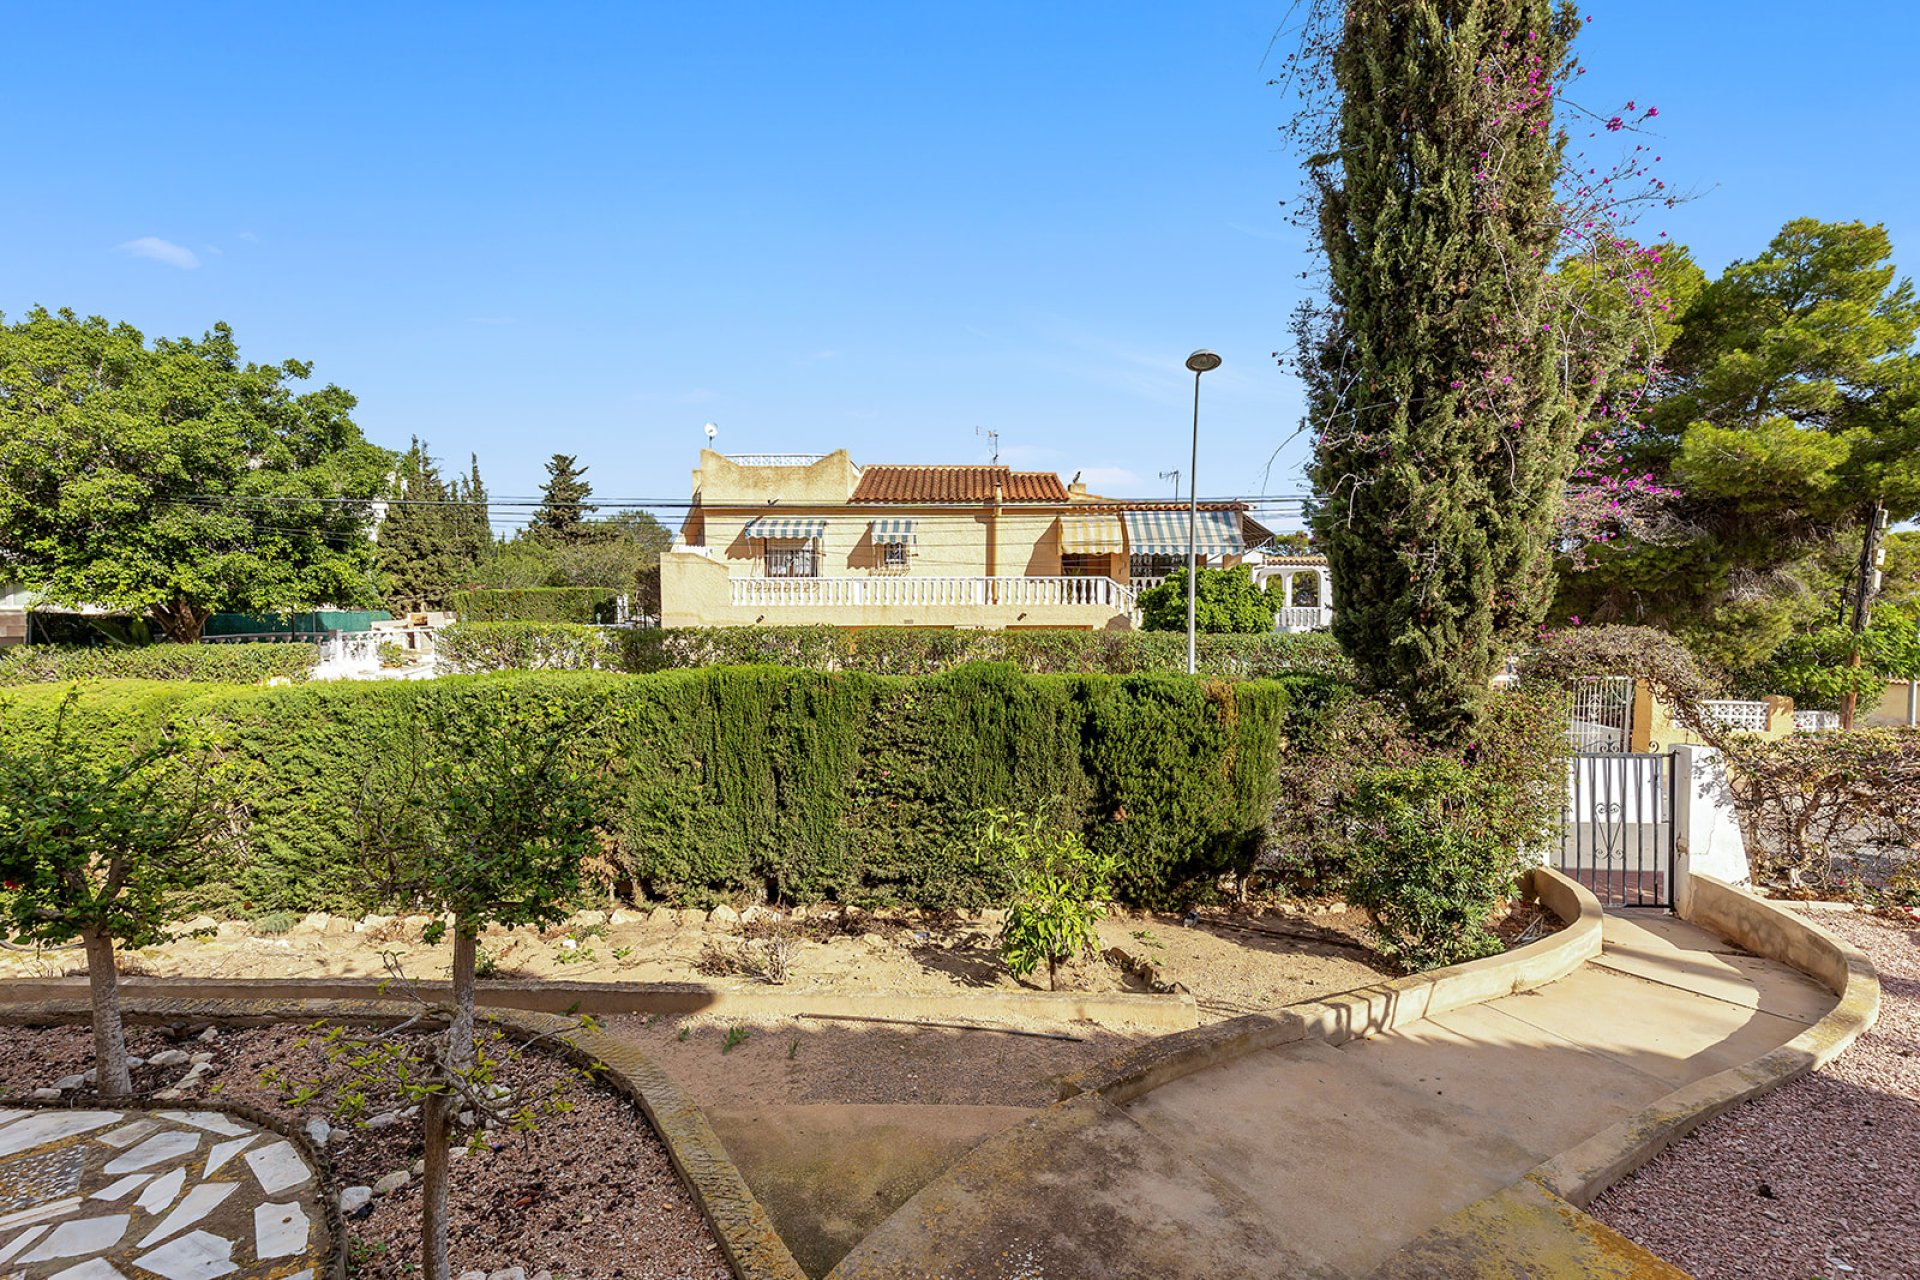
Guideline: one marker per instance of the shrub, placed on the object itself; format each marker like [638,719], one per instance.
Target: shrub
[501,646]
[390,654]
[1822,807]
[1430,859]
[1226,601]
[538,604]
[207,663]
[793,785]
[1058,888]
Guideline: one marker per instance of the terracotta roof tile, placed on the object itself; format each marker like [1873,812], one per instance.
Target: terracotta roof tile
[956,484]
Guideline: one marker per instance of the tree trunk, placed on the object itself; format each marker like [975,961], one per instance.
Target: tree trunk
[442,1108]
[460,1029]
[1053,981]
[434,1180]
[182,620]
[109,1033]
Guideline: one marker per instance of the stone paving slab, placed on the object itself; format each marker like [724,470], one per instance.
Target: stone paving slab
[106,1192]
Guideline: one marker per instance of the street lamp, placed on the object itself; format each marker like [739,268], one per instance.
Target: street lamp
[1200,362]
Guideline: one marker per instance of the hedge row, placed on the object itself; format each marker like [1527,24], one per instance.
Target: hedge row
[508,646]
[793,785]
[580,605]
[207,663]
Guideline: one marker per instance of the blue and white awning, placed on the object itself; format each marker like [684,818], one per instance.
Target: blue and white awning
[893,532]
[1164,533]
[785,527]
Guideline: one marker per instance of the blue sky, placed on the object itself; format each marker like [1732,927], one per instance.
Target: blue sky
[593,229]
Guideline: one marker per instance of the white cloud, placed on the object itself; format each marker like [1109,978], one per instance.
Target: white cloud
[1118,479]
[249,237]
[153,247]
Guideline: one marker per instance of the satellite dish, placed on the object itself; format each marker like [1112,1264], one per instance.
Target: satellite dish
[713,429]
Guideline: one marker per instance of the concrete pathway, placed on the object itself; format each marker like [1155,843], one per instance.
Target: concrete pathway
[1310,1160]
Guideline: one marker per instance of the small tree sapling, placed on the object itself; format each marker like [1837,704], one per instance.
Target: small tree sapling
[482,817]
[94,840]
[1059,888]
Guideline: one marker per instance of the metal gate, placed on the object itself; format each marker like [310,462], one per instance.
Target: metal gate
[1616,833]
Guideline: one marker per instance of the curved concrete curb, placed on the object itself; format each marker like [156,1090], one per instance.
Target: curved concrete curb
[1366,1010]
[1170,1012]
[1759,926]
[745,1232]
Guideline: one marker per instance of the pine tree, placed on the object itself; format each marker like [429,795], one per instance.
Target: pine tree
[563,500]
[1445,423]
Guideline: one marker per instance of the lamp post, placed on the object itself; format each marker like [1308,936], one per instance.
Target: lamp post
[1200,362]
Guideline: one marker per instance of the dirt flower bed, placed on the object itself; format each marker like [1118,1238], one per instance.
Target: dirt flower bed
[589,1194]
[1819,1179]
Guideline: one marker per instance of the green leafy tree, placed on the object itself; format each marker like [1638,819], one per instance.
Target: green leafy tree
[94,839]
[1226,602]
[483,817]
[173,479]
[1789,404]
[1449,380]
[563,507]
[1058,890]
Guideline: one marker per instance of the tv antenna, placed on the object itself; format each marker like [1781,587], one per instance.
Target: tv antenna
[1175,477]
[993,442]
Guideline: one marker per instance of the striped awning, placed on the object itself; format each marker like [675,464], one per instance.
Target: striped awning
[1164,533]
[785,527]
[893,533]
[1090,535]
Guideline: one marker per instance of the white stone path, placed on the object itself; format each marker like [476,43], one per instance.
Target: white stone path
[128,1195]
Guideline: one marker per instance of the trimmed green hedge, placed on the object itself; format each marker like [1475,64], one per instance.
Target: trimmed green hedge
[538,604]
[207,663]
[795,785]
[522,646]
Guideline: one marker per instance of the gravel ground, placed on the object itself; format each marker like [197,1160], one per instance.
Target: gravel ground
[589,1193]
[1818,1179]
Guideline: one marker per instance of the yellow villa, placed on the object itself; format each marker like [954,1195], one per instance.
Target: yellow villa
[783,540]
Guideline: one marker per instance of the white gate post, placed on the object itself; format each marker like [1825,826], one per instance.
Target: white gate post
[1706,829]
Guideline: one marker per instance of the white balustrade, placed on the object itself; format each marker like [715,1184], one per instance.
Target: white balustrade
[927,592]
[1816,721]
[774,459]
[1732,714]
[1302,618]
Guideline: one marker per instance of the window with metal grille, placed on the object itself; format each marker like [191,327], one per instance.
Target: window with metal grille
[893,556]
[795,559]
[1083,566]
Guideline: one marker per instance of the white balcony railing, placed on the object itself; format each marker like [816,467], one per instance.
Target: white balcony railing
[1302,618]
[925,592]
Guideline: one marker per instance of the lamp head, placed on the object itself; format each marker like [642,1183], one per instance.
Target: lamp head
[1203,360]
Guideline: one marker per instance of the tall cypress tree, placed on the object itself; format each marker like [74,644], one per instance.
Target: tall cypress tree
[1445,401]
[563,504]
[417,548]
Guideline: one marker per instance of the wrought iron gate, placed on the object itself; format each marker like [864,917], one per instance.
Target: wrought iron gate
[1617,834]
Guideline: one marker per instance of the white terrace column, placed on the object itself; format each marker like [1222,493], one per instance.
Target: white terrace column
[1286,589]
